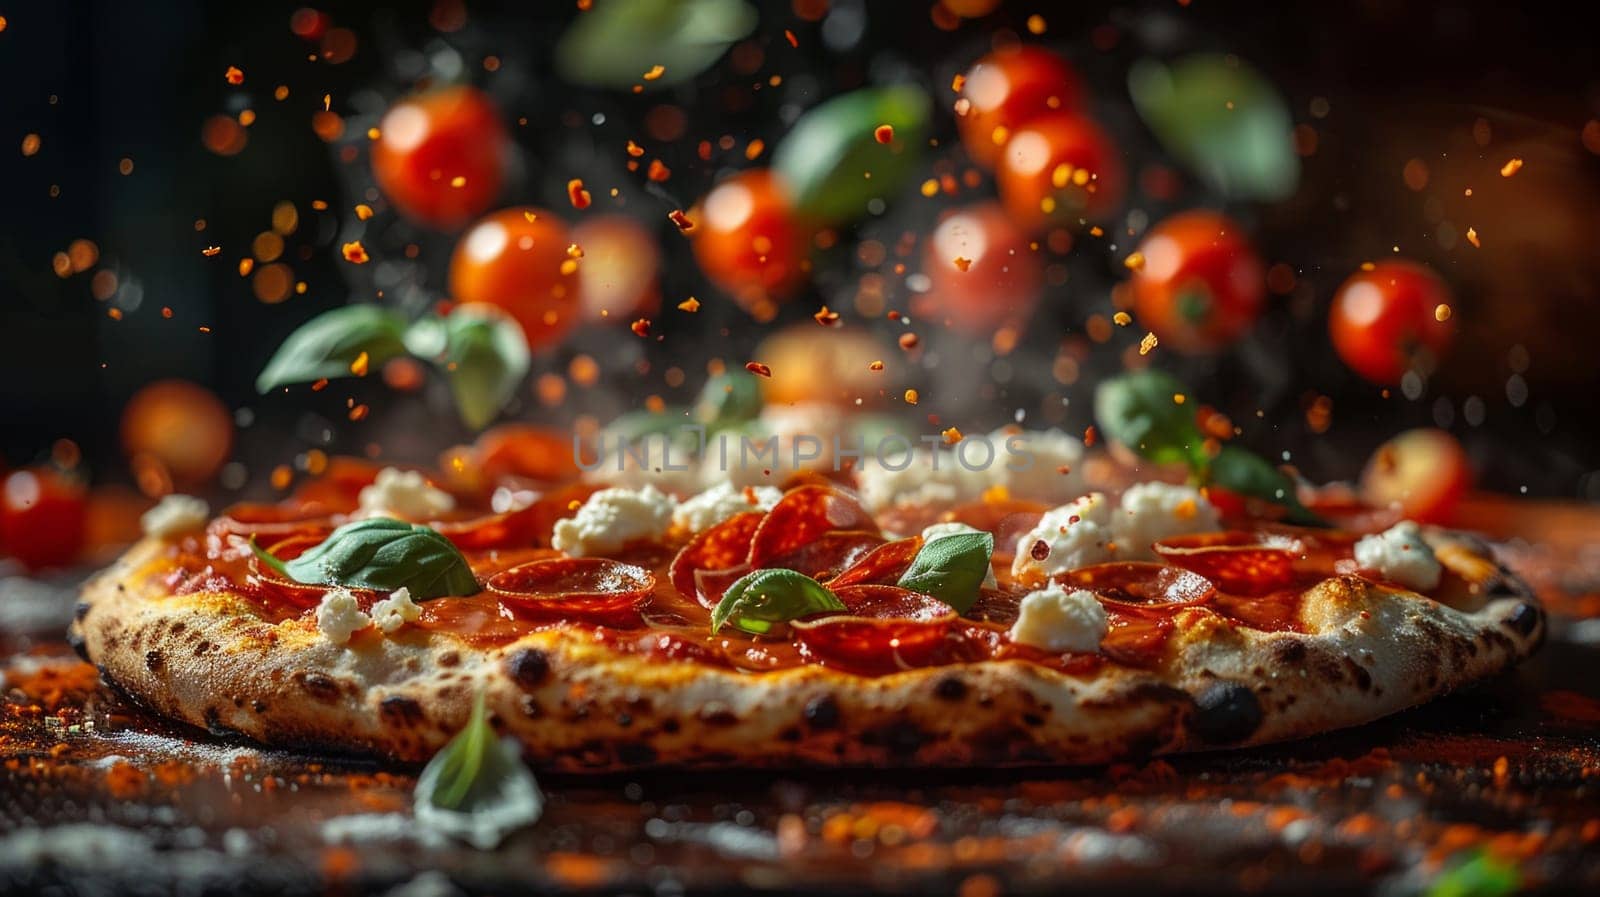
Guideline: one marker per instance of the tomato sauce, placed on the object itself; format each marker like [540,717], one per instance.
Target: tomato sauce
[655,600]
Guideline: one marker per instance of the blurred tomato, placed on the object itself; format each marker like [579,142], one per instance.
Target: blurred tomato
[180,427]
[440,156]
[748,241]
[526,451]
[111,518]
[517,259]
[1425,472]
[1201,285]
[1060,169]
[815,367]
[1383,321]
[982,272]
[1008,89]
[617,276]
[42,517]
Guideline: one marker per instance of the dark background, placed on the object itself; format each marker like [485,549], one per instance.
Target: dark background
[103,81]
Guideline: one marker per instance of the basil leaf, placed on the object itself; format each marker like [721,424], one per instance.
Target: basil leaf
[1481,875]
[268,558]
[727,399]
[613,44]
[759,599]
[1138,410]
[326,346]
[477,787]
[1241,471]
[483,354]
[385,554]
[951,568]
[830,150]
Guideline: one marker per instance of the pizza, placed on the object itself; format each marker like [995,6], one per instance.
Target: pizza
[873,617]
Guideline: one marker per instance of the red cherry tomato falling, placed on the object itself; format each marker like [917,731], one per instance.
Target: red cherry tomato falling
[1201,285]
[517,259]
[617,275]
[748,242]
[42,516]
[440,156]
[983,273]
[182,425]
[1425,472]
[1384,322]
[1009,88]
[1060,169]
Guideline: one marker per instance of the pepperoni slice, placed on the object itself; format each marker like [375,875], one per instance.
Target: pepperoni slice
[556,505]
[509,529]
[882,565]
[829,554]
[1244,563]
[720,548]
[803,516]
[575,587]
[886,629]
[1140,584]
[266,522]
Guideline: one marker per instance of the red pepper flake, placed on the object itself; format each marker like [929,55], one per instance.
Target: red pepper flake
[908,341]
[875,366]
[951,436]
[359,366]
[635,150]
[677,217]
[1040,550]
[958,82]
[690,305]
[1511,167]
[210,251]
[911,397]
[793,41]
[166,311]
[355,253]
[1090,436]
[655,72]
[962,262]
[363,211]
[658,172]
[641,327]
[578,196]
[235,75]
[884,134]
[757,368]
[754,149]
[320,385]
[203,329]
[359,412]
[826,318]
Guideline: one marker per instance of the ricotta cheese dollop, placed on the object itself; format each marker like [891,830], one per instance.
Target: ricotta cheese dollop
[175,515]
[720,502]
[1154,511]
[612,518]
[1054,619]
[395,611]
[1399,555]
[1074,535]
[339,616]
[404,494]
[918,478]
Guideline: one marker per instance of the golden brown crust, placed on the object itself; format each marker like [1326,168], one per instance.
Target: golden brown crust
[1368,651]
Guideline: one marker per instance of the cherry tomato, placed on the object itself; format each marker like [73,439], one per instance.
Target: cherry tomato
[1384,322]
[1202,285]
[1424,471]
[440,156]
[1008,89]
[1060,169]
[748,241]
[42,517]
[982,271]
[518,259]
[181,428]
[617,276]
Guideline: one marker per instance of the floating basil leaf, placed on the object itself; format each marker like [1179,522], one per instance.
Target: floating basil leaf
[484,355]
[616,42]
[1138,410]
[1481,875]
[1238,470]
[827,155]
[1221,118]
[477,788]
[951,568]
[728,399]
[759,599]
[385,554]
[327,345]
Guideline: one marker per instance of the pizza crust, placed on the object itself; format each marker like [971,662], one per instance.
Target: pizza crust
[1369,650]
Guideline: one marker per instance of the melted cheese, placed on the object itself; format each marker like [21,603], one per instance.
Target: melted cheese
[1054,619]
[612,518]
[1154,511]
